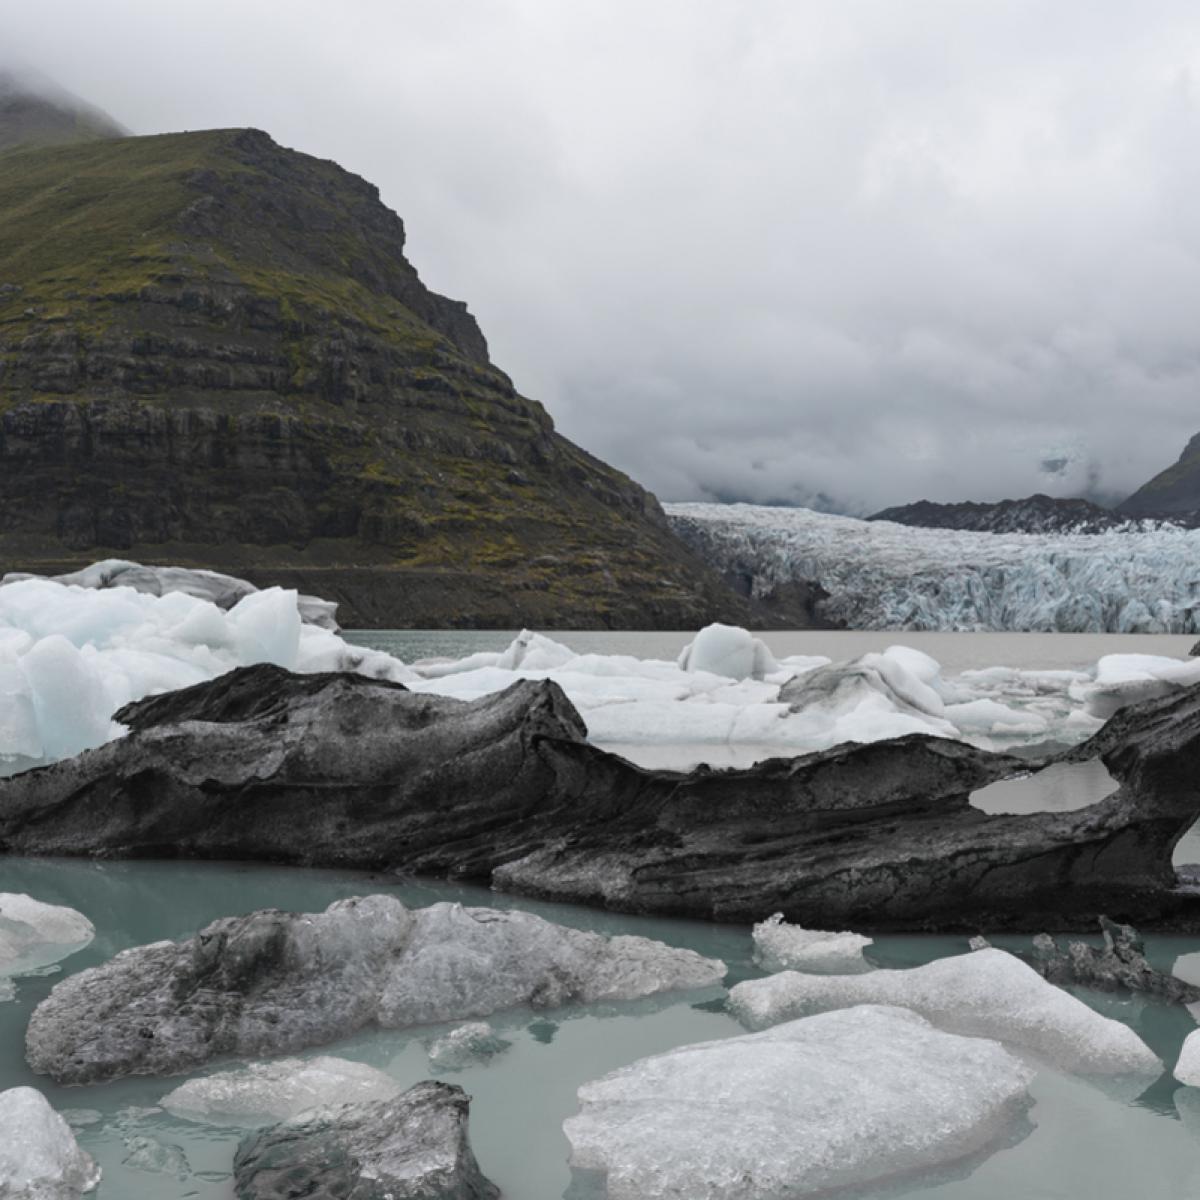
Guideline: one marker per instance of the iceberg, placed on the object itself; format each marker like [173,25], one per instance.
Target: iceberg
[987,993]
[33,934]
[1187,1069]
[266,1092]
[728,650]
[39,1157]
[833,1101]
[881,575]
[470,1044]
[779,946]
[274,982]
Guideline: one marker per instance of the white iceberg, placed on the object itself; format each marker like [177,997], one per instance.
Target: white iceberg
[39,1157]
[779,946]
[266,1092]
[728,650]
[834,1101]
[33,934]
[1187,1069]
[988,993]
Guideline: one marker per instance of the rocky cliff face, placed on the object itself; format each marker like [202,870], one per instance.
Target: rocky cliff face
[214,352]
[1173,491]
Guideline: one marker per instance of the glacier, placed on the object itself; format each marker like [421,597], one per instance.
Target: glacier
[881,575]
[829,1102]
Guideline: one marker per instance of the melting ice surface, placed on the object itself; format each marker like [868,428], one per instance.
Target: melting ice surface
[1083,1141]
[886,576]
[70,657]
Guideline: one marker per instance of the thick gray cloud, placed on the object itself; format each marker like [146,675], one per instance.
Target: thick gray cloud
[854,248]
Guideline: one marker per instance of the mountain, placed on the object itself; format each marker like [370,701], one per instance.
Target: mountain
[36,111]
[1034,514]
[1175,490]
[213,352]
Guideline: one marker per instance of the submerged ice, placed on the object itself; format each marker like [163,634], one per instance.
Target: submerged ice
[880,575]
[832,1101]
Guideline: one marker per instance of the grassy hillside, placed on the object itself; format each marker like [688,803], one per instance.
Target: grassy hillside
[214,351]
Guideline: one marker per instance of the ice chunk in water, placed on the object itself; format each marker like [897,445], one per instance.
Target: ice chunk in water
[779,946]
[33,934]
[987,993]
[728,650]
[261,1093]
[1187,1069]
[39,1157]
[833,1101]
[474,1042]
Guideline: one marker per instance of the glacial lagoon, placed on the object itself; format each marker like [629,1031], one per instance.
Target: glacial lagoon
[1082,1138]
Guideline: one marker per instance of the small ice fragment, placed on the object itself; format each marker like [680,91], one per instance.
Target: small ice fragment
[473,1043]
[779,946]
[33,934]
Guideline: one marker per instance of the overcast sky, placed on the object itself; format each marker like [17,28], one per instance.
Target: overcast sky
[874,250]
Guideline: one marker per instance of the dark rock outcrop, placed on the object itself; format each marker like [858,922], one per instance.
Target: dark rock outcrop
[1175,491]
[343,770]
[1034,514]
[414,1147]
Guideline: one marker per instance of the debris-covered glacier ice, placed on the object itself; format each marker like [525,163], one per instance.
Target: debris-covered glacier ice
[880,575]
[987,993]
[833,1101]
[779,946]
[263,1092]
[33,934]
[274,982]
[39,1157]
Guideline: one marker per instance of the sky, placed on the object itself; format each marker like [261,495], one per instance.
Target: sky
[846,253]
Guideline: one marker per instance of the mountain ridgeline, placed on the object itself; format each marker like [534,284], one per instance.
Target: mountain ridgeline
[213,352]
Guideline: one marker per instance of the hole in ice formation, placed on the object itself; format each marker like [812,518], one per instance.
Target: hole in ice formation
[1060,787]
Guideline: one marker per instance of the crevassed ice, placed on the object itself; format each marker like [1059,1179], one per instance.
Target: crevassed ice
[39,1157]
[987,993]
[779,946]
[886,576]
[832,1101]
[261,1093]
[33,934]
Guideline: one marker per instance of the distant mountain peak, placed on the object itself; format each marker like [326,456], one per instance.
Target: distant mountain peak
[1175,490]
[34,110]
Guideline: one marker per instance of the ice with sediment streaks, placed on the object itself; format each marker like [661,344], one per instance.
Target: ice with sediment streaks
[987,993]
[832,1101]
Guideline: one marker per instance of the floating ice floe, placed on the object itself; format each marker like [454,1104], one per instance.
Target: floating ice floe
[39,1157]
[261,1093]
[779,946]
[987,993]
[33,934]
[275,982]
[843,1099]
[881,575]
[1187,1069]
[71,656]
[470,1044]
